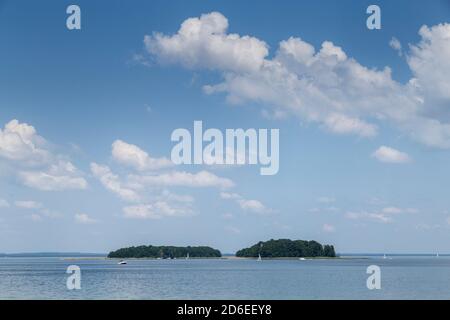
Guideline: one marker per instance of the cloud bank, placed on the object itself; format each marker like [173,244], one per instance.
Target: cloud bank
[323,86]
[37,166]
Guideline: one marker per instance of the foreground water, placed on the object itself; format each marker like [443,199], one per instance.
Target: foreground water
[401,278]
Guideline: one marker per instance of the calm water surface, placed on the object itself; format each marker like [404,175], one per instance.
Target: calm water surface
[402,278]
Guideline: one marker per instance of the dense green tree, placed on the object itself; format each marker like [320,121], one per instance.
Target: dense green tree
[328,251]
[165,252]
[287,248]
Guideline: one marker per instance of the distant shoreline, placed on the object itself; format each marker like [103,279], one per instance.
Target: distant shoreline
[212,258]
[53,255]
[104,256]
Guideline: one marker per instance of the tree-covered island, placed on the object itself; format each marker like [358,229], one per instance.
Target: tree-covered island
[285,248]
[165,252]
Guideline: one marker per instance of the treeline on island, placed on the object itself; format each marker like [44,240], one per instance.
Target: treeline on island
[165,252]
[285,248]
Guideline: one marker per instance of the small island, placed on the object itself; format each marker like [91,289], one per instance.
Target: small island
[165,252]
[285,248]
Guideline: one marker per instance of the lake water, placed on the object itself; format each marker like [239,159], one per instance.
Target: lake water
[401,278]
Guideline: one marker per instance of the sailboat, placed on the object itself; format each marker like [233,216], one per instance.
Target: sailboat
[187,256]
[384,257]
[437,255]
[259,254]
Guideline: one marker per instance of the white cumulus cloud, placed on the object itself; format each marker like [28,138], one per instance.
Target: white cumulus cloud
[252,205]
[112,182]
[83,218]
[323,86]
[20,142]
[148,188]
[204,43]
[24,148]
[396,45]
[156,210]
[384,215]
[391,155]
[181,179]
[59,176]
[132,155]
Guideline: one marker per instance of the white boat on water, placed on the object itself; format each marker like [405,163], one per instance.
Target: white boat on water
[187,256]
[384,257]
[259,257]
[122,262]
[301,259]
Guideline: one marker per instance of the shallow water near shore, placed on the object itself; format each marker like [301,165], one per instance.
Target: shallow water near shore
[401,278]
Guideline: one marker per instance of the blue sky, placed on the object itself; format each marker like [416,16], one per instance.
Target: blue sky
[363,150]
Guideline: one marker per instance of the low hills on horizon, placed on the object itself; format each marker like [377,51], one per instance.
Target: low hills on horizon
[51,255]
